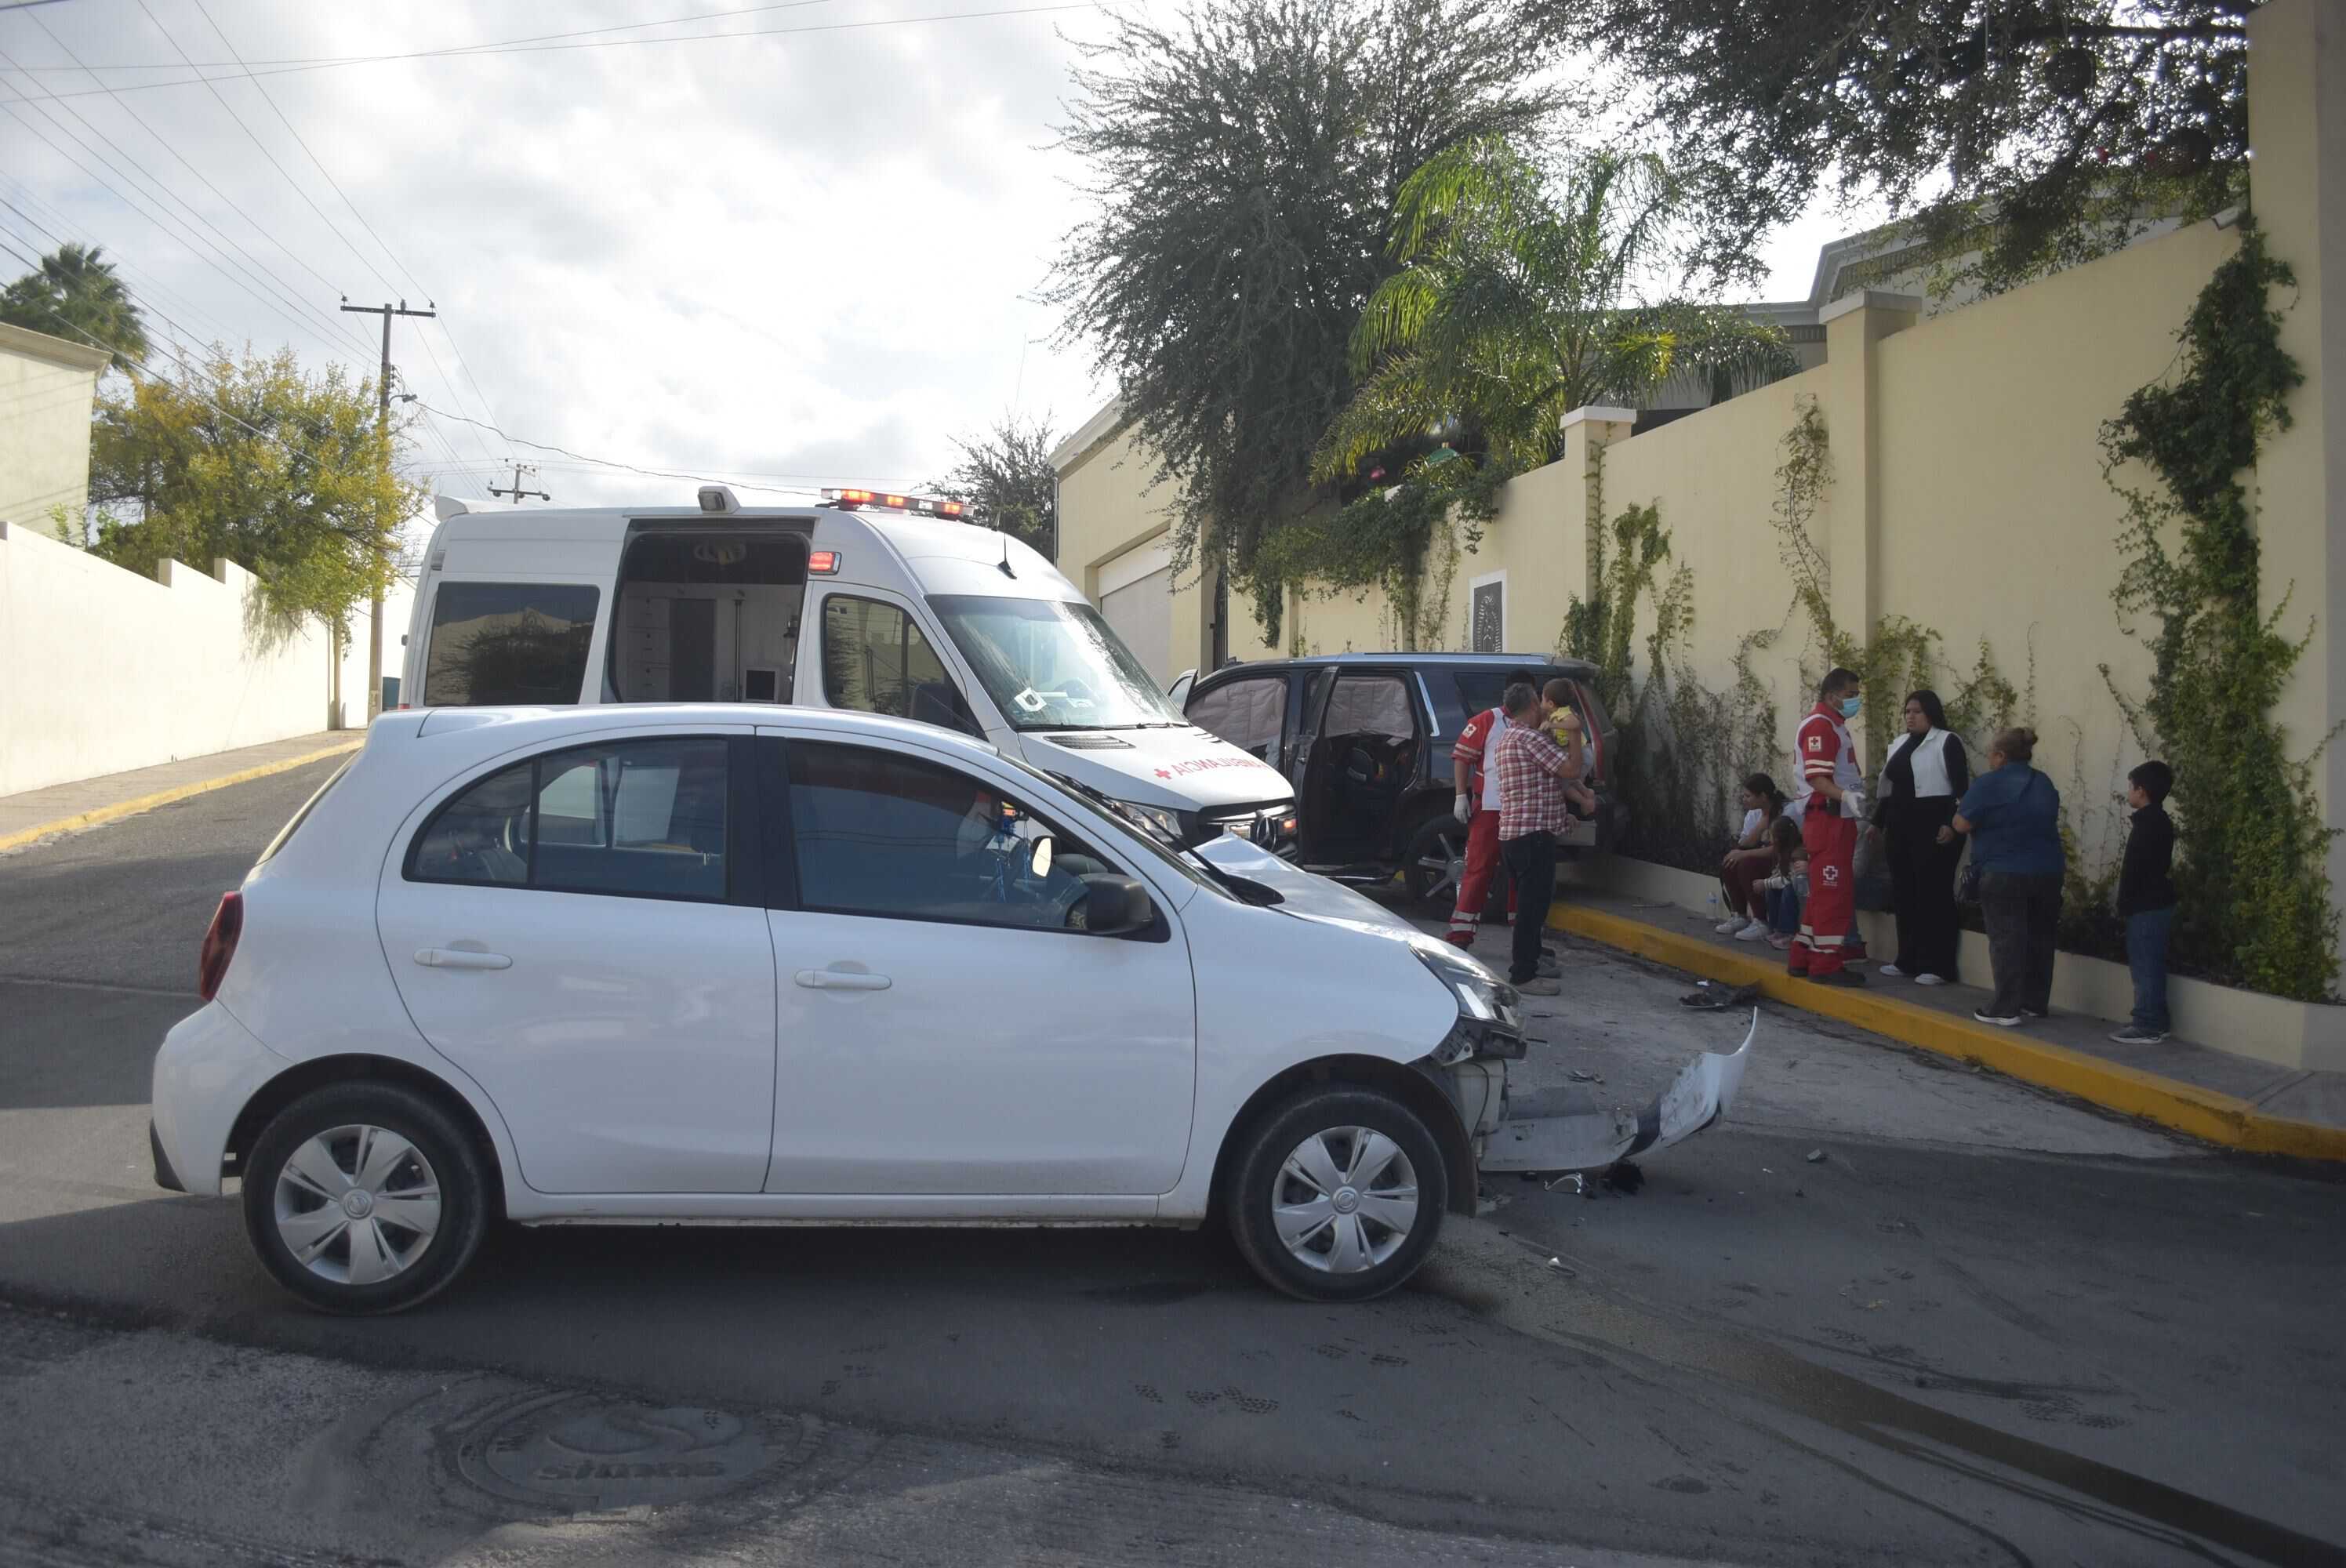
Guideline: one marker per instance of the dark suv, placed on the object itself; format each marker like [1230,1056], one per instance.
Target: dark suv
[1365,740]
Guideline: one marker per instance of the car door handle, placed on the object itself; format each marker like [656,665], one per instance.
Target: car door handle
[458,957]
[841,980]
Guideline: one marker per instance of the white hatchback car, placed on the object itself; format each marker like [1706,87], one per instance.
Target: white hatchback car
[720,964]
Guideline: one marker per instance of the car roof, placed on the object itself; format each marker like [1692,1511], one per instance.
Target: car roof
[1578,666]
[497,729]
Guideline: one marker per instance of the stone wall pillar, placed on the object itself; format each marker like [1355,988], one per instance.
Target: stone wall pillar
[1850,517]
[1587,432]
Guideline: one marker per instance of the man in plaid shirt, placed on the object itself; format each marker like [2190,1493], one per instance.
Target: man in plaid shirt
[1534,772]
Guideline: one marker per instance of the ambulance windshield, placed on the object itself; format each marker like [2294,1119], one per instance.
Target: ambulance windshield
[1050,664]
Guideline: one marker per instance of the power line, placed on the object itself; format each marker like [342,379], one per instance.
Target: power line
[58,221]
[612,463]
[287,298]
[253,136]
[522,48]
[54,237]
[173,149]
[240,63]
[269,98]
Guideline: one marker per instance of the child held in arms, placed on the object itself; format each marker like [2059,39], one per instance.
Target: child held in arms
[1563,723]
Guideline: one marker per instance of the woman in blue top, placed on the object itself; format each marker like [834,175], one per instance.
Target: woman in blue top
[2012,814]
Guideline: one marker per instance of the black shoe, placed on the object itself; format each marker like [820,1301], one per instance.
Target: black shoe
[1839,977]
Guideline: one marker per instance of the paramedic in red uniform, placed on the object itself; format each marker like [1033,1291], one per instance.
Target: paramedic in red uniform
[1477,808]
[1831,803]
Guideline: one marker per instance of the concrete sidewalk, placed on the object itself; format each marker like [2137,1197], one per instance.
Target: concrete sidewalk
[37,814]
[2209,1093]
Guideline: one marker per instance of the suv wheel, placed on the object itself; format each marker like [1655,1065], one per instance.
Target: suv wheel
[1434,861]
[1338,1194]
[364,1199]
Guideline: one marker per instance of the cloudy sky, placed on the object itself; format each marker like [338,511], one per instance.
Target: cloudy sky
[789,246]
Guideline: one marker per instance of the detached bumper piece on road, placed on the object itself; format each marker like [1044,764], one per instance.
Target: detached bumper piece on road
[1567,1129]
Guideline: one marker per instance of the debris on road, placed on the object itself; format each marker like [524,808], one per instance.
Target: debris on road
[1816,1157]
[1569,1129]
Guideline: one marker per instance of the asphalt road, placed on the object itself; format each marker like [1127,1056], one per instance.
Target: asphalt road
[1984,1327]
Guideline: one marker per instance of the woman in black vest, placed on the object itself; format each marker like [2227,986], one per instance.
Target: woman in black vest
[1923,776]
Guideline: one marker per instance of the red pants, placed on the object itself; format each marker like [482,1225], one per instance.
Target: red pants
[1474,884]
[1824,943]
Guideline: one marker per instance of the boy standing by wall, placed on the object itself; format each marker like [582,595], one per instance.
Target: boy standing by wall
[2147,900]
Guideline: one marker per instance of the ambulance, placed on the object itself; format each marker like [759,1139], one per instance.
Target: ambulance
[870,601]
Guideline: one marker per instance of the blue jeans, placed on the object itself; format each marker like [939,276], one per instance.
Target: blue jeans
[1784,906]
[2147,931]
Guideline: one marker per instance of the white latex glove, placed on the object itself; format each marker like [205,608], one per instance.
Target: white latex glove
[1854,800]
[1463,809]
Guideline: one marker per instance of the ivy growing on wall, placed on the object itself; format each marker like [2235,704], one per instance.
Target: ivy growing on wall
[1384,541]
[2253,846]
[1899,657]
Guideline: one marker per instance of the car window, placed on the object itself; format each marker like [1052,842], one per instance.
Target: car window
[891,835]
[1251,714]
[875,660]
[1480,690]
[1371,705]
[639,818]
[495,645]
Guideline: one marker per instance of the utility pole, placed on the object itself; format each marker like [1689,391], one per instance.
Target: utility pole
[520,468]
[383,541]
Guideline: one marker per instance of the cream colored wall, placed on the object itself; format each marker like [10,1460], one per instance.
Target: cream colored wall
[102,669]
[2297,121]
[45,406]
[1711,475]
[1995,520]
[1111,503]
[1990,517]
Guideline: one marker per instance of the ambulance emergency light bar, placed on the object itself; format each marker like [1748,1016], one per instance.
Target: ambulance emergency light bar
[919,505]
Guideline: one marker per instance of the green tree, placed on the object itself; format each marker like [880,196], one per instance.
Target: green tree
[1244,163]
[1006,480]
[1517,302]
[73,294]
[285,473]
[2040,132]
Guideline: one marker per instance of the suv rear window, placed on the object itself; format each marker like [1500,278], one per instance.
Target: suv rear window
[496,645]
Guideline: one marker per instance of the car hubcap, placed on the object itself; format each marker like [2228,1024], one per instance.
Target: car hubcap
[1443,866]
[1345,1201]
[357,1205]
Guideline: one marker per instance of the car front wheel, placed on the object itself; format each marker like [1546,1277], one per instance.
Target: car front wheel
[1339,1194]
[364,1199]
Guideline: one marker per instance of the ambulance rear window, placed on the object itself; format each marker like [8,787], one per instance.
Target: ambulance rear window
[499,645]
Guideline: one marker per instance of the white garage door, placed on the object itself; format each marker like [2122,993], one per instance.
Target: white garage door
[1137,598]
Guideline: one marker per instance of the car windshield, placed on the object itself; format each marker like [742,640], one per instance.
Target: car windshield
[1050,664]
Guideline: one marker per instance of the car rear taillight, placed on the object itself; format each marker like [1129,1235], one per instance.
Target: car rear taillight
[219,946]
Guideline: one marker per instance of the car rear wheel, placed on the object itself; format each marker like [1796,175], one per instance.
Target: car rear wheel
[1338,1194]
[364,1199]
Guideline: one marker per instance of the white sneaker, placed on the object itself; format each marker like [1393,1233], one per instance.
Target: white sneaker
[1752,933]
[1892,970]
[1728,927]
[1928,979]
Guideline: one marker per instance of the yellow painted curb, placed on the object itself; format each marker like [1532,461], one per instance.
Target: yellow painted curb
[2203,1113]
[132,807]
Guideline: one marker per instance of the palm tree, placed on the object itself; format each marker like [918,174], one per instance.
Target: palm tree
[1517,302]
[75,294]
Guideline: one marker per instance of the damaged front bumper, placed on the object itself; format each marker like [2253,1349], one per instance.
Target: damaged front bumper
[1566,1129]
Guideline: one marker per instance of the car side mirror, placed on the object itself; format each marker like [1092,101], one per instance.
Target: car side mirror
[1038,857]
[1117,906]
